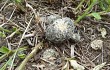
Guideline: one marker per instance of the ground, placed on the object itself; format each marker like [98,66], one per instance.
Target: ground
[12,18]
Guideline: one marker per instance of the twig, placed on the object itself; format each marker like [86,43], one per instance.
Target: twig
[9,45]
[12,13]
[20,42]
[72,51]
[102,54]
[29,35]
[4,5]
[36,48]
[12,23]
[36,16]
[11,35]
[90,61]
[3,24]
[47,61]
[96,57]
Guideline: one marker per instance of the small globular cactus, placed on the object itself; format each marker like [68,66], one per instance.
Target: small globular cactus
[60,29]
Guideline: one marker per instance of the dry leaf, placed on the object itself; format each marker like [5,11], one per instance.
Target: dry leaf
[66,66]
[72,51]
[97,44]
[103,32]
[75,65]
[99,67]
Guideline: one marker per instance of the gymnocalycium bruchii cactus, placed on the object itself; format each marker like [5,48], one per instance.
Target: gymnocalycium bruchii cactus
[60,29]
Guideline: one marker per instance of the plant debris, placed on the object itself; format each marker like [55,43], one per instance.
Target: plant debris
[99,67]
[75,65]
[97,44]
